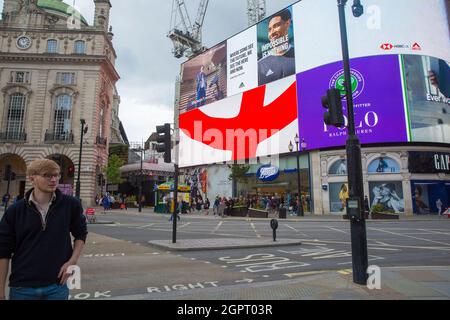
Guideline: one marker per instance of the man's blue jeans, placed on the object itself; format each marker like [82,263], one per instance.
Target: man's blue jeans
[53,292]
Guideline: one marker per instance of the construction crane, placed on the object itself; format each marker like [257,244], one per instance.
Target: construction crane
[187,37]
[256,11]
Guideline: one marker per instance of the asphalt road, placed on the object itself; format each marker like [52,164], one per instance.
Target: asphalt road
[119,261]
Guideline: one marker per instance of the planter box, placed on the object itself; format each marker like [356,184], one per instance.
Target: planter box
[255,213]
[239,212]
[387,216]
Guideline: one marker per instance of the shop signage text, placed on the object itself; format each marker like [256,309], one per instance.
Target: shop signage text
[268,173]
[429,162]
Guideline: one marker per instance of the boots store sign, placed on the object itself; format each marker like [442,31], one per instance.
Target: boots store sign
[268,173]
[429,162]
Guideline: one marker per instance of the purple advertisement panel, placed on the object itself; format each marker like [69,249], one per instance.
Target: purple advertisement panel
[378,100]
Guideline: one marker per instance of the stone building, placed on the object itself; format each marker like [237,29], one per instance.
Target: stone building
[56,70]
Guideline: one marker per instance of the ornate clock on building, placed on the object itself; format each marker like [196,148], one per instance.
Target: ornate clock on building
[23,42]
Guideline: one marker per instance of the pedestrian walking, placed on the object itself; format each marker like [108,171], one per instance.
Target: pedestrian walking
[35,234]
[439,206]
[206,206]
[366,205]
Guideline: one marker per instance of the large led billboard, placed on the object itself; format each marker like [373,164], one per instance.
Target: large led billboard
[250,95]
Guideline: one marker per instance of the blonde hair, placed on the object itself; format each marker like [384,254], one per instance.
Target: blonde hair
[42,166]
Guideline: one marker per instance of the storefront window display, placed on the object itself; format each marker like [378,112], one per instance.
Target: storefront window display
[285,186]
[383,165]
[430,197]
[389,194]
[338,197]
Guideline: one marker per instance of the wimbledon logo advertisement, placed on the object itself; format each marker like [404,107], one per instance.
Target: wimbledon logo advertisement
[379,117]
[357,80]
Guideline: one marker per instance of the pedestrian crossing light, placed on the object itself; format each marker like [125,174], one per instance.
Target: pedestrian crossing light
[332,101]
[164,142]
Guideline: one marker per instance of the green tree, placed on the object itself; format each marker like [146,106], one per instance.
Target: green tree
[238,172]
[113,170]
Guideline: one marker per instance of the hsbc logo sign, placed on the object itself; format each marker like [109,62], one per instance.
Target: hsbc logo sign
[390,46]
[416,47]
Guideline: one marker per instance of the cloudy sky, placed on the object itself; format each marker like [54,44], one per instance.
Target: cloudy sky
[145,62]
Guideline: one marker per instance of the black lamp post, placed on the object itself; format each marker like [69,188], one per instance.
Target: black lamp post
[84,130]
[291,148]
[140,181]
[354,163]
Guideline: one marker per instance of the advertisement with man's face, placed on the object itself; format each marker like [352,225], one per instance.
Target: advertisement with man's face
[378,102]
[204,79]
[428,93]
[388,194]
[276,54]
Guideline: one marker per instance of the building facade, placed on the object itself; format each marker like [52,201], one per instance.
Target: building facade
[56,70]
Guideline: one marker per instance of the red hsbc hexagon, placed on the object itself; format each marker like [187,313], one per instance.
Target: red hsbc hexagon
[386,46]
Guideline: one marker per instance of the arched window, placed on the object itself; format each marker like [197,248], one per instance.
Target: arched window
[338,168]
[62,119]
[383,165]
[15,118]
[80,47]
[52,46]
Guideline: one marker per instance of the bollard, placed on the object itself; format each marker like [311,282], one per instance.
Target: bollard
[274,226]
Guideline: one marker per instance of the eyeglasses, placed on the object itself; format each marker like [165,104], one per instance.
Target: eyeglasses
[49,177]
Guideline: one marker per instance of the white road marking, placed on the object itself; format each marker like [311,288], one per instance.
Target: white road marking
[435,232]
[184,225]
[244,281]
[417,238]
[145,226]
[331,228]
[302,233]
[217,227]
[386,249]
[254,229]
[300,274]
[371,258]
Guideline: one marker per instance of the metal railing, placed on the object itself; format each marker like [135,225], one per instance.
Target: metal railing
[101,141]
[60,137]
[13,136]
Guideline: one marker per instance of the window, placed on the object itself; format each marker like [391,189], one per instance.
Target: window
[80,47]
[102,119]
[65,78]
[338,168]
[16,114]
[62,122]
[52,46]
[20,77]
[383,165]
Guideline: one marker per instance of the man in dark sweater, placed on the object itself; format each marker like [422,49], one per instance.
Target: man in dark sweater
[278,56]
[35,236]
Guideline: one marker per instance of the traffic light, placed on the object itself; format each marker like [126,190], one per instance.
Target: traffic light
[164,140]
[13,176]
[71,171]
[332,101]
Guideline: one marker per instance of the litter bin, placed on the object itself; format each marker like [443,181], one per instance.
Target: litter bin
[282,213]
